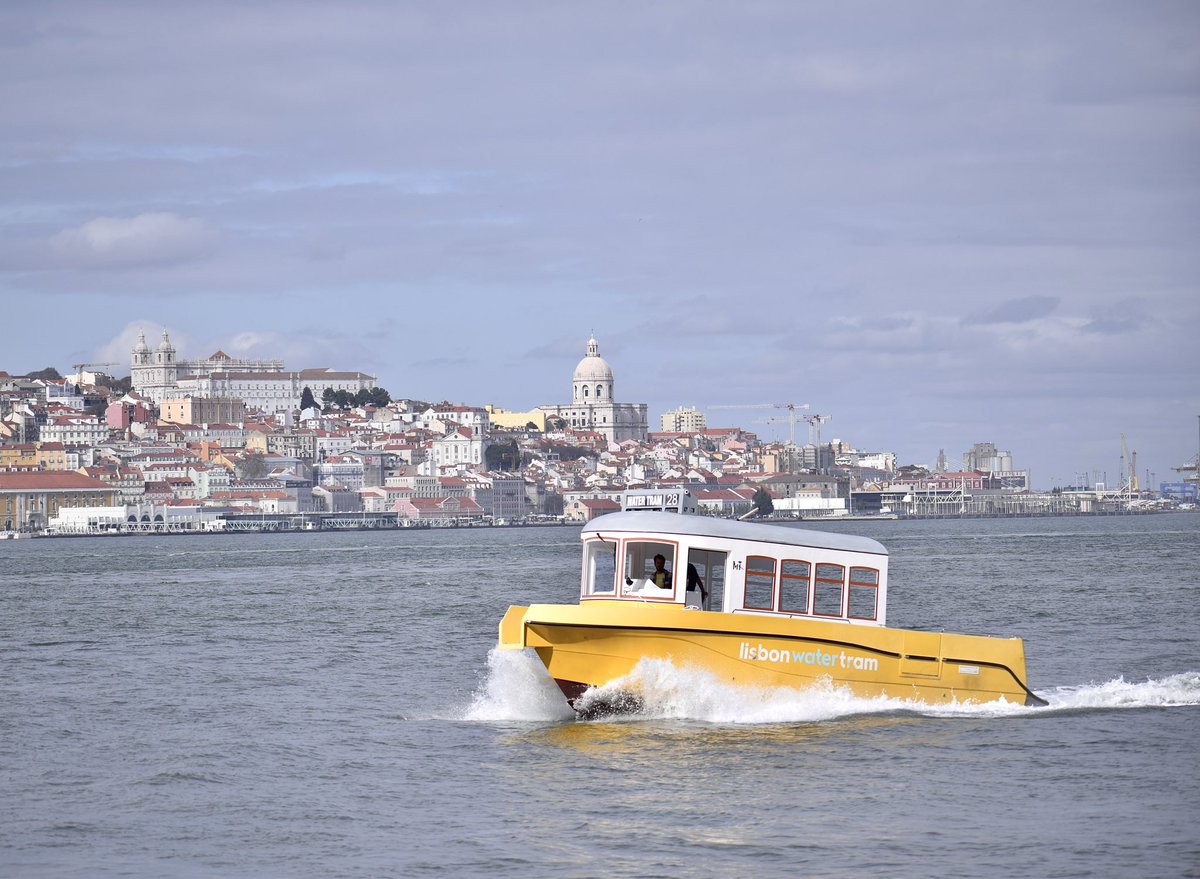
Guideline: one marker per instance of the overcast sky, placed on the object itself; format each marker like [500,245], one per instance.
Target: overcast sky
[938,223]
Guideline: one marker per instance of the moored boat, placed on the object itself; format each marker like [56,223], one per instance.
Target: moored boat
[752,605]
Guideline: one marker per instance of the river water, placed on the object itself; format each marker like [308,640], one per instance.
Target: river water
[328,705]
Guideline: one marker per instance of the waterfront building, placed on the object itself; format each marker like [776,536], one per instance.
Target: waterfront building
[29,500]
[435,508]
[508,498]
[593,405]
[584,509]
[336,499]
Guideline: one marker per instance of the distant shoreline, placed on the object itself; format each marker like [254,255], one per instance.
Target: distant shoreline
[473,526]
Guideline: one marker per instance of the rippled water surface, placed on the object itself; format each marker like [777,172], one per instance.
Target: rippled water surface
[330,705]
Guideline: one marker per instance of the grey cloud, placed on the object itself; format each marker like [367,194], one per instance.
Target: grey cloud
[1124,317]
[1014,311]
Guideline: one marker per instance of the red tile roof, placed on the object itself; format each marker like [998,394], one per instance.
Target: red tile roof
[50,480]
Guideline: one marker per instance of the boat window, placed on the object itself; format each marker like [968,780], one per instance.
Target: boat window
[793,586]
[599,567]
[827,591]
[864,593]
[760,583]
[639,562]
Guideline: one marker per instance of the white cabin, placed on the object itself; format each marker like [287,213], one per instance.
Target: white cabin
[742,567]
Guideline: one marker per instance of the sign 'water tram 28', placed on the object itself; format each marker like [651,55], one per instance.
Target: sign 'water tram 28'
[672,501]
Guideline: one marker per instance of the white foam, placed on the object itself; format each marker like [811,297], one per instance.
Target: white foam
[518,688]
[1169,692]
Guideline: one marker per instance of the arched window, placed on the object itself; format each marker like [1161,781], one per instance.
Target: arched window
[585,391]
[599,390]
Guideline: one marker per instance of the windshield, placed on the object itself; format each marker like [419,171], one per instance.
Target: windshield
[599,568]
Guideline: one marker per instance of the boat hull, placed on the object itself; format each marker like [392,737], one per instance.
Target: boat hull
[598,642]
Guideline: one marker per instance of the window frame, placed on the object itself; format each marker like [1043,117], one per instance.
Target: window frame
[588,574]
[774,583]
[818,580]
[851,586]
[622,569]
[808,588]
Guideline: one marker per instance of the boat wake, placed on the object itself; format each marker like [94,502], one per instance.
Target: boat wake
[517,688]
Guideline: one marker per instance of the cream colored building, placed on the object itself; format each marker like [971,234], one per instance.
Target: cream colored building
[203,410]
[685,419]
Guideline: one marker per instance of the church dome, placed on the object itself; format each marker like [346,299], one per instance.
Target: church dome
[165,344]
[593,368]
[141,347]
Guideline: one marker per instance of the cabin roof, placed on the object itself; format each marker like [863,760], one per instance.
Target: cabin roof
[704,526]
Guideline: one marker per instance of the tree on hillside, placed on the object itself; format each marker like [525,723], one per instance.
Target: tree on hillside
[503,457]
[307,400]
[762,502]
[47,374]
[252,466]
[327,396]
[120,386]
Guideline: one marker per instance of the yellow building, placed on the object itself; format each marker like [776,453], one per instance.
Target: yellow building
[29,457]
[516,420]
[29,500]
[18,456]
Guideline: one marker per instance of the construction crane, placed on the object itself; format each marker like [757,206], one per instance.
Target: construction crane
[791,417]
[77,375]
[78,367]
[814,428]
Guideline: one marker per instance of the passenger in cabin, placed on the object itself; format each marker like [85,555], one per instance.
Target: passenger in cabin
[660,577]
[694,582]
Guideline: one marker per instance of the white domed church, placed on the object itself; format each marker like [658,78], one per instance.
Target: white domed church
[593,403]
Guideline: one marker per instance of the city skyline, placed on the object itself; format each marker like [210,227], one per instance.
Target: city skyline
[941,229]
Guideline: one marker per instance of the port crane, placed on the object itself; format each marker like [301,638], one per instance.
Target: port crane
[1131,486]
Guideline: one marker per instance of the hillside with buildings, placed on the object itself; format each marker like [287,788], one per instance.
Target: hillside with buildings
[225,444]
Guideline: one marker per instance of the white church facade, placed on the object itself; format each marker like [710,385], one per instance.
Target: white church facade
[593,403]
[261,384]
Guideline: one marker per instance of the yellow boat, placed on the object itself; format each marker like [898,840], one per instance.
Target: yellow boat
[752,605]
